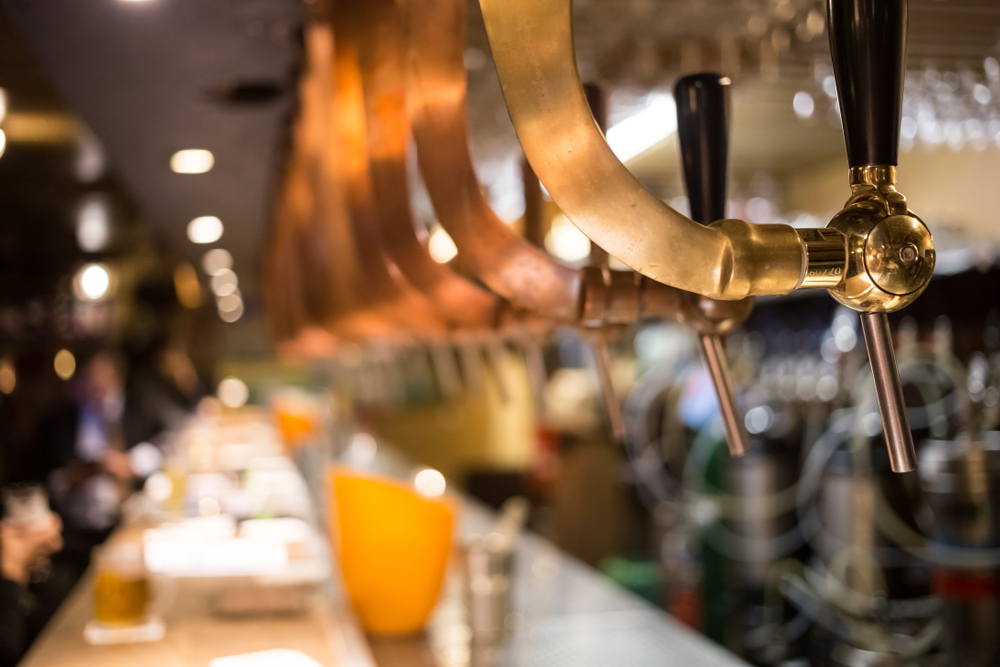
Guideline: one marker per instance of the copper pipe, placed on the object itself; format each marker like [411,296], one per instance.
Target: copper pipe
[510,266]
[382,58]
[382,286]
[309,266]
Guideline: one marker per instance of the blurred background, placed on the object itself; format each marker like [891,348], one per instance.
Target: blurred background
[143,143]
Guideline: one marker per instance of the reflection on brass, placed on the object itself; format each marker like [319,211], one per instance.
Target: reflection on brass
[826,250]
[710,316]
[890,250]
[533,49]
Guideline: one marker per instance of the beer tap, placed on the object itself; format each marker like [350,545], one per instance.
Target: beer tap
[876,256]
[702,110]
[890,253]
[533,282]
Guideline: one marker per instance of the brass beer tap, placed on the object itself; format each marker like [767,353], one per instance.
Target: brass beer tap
[890,253]
[876,256]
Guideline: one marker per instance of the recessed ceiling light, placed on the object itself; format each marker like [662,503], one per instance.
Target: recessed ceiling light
[93,225]
[205,229]
[92,282]
[216,261]
[192,161]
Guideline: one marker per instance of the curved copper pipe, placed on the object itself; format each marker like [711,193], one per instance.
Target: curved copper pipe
[381,50]
[307,274]
[436,86]
[381,286]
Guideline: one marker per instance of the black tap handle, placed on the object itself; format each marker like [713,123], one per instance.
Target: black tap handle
[702,109]
[868,44]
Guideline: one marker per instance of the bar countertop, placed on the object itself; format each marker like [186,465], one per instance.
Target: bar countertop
[562,613]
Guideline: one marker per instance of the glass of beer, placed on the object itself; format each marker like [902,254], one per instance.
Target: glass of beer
[121,584]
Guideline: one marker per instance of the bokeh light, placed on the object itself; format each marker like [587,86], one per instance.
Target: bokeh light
[93,282]
[430,483]
[192,161]
[65,364]
[205,229]
[233,392]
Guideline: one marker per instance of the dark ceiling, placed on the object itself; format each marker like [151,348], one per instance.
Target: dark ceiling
[151,78]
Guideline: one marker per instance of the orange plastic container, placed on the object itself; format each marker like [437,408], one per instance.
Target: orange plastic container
[393,545]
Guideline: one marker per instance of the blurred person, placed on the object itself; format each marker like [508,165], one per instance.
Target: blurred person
[81,455]
[163,388]
[22,616]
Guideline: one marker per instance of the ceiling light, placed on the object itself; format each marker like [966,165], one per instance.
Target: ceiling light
[224,282]
[93,227]
[230,308]
[192,161]
[229,303]
[216,261]
[92,282]
[205,229]
[90,164]
[65,364]
[3,142]
[645,129]
[441,246]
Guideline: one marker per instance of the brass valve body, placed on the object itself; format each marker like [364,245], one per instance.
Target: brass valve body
[890,252]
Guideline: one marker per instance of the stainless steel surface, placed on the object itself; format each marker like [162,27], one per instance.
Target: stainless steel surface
[889,390]
[715,359]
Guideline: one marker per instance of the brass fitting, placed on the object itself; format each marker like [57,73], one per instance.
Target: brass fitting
[890,252]
[624,297]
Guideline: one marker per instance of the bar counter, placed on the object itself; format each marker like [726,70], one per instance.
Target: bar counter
[562,613]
